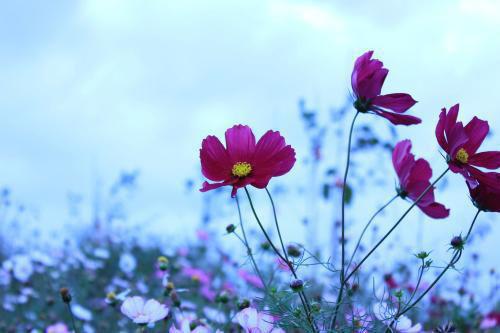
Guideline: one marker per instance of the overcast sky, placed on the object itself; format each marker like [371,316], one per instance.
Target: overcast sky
[90,88]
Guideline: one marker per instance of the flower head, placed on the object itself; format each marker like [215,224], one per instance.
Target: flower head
[414,177]
[243,161]
[485,197]
[461,144]
[367,79]
[143,312]
[254,321]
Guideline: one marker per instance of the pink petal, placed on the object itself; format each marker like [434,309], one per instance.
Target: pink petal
[215,163]
[371,85]
[403,160]
[240,143]
[440,130]
[435,210]
[476,131]
[272,158]
[451,120]
[487,159]
[398,119]
[415,189]
[491,179]
[397,102]
[359,64]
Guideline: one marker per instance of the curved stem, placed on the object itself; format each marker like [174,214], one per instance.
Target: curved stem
[367,226]
[302,296]
[247,245]
[342,237]
[431,186]
[456,257]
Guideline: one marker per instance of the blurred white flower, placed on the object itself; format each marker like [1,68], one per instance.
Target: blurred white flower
[253,321]
[143,312]
[22,267]
[81,313]
[386,314]
[57,328]
[127,263]
[185,327]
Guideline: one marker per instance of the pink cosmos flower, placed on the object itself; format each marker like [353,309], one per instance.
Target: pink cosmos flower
[252,279]
[143,312]
[57,328]
[414,177]
[197,275]
[491,320]
[367,79]
[461,144]
[243,162]
[485,197]
[253,321]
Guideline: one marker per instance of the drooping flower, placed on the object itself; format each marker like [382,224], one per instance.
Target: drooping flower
[253,321]
[414,177]
[461,144]
[367,79]
[485,197]
[243,162]
[143,312]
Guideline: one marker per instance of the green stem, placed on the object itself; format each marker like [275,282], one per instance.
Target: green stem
[431,186]
[367,226]
[456,257]
[342,237]
[247,245]
[305,305]
[72,317]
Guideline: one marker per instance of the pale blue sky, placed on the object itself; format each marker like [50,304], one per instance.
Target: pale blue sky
[89,88]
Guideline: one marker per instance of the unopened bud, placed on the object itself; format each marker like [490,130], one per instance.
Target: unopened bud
[230,228]
[65,295]
[162,263]
[293,251]
[297,285]
[243,304]
[457,243]
[223,297]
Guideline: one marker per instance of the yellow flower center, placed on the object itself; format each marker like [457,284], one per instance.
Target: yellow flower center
[241,169]
[462,156]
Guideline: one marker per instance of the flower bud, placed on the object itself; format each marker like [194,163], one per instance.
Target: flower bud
[293,251]
[223,297]
[243,304]
[422,255]
[265,246]
[230,228]
[457,243]
[162,263]
[111,298]
[297,285]
[175,298]
[65,295]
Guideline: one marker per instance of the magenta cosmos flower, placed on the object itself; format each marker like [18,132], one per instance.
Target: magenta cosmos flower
[243,162]
[367,79]
[461,144]
[485,197]
[414,177]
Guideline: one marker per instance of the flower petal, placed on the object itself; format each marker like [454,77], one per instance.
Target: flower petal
[476,131]
[240,143]
[403,160]
[272,158]
[397,102]
[215,162]
[440,130]
[487,159]
[371,85]
[398,119]
[435,210]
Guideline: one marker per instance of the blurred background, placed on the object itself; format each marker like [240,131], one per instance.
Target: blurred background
[91,90]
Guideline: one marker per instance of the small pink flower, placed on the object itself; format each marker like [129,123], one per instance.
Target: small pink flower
[252,279]
[491,320]
[143,312]
[197,275]
[57,328]
[367,79]
[243,161]
[253,321]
